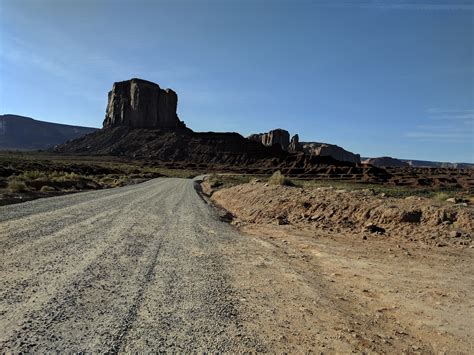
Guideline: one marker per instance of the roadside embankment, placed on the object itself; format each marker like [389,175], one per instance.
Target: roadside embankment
[361,212]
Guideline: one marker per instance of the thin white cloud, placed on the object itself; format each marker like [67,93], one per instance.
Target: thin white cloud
[451,114]
[445,126]
[404,5]
[440,135]
[26,56]
[445,111]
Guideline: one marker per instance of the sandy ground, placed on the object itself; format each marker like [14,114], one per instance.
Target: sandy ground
[340,294]
[339,290]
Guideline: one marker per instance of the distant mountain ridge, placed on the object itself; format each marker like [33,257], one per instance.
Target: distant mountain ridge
[394,162]
[437,164]
[25,133]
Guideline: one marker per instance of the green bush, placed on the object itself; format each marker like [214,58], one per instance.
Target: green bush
[16,185]
[279,179]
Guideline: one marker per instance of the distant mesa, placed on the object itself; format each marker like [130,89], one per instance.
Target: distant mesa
[141,122]
[386,162]
[281,137]
[138,103]
[437,164]
[330,150]
[390,162]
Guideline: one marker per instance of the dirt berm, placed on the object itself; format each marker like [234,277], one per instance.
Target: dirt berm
[361,212]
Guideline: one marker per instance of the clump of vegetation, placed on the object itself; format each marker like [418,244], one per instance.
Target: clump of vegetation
[215,181]
[16,185]
[441,196]
[47,188]
[61,176]
[279,179]
[32,175]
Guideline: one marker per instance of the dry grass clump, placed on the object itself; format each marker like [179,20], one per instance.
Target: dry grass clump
[441,196]
[279,179]
[62,176]
[16,185]
[47,188]
[32,175]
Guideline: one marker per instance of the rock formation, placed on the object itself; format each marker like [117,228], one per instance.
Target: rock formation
[386,161]
[295,145]
[330,150]
[276,136]
[138,103]
[282,137]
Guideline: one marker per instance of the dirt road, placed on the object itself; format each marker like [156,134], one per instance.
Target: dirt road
[131,268]
[150,267]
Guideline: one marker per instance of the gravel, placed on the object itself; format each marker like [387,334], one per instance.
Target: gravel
[129,269]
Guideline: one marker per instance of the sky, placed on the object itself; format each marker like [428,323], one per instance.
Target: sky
[379,78]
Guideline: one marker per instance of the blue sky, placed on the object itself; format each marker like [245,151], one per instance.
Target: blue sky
[376,77]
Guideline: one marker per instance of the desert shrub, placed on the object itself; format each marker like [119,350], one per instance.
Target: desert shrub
[32,175]
[107,180]
[119,182]
[279,179]
[441,196]
[215,181]
[47,188]
[16,185]
[56,174]
[63,176]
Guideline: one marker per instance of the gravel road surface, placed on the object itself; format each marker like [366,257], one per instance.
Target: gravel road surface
[127,269]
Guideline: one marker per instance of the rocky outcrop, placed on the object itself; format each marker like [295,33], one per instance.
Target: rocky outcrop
[138,103]
[330,150]
[256,137]
[276,136]
[295,145]
[386,161]
[282,137]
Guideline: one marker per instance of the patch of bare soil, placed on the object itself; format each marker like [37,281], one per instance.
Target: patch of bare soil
[360,212]
[322,280]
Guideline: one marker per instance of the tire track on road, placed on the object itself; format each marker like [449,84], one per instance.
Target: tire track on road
[79,278]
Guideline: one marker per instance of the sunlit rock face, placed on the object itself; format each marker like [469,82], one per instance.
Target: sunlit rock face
[386,161]
[330,150]
[276,136]
[139,103]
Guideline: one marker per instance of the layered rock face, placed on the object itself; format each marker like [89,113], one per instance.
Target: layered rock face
[295,145]
[330,150]
[138,103]
[276,136]
[386,161]
[282,137]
